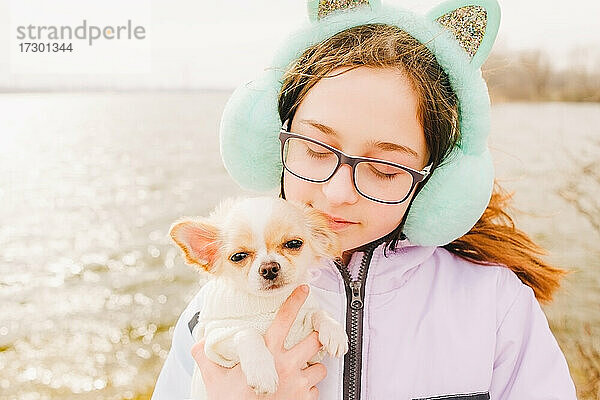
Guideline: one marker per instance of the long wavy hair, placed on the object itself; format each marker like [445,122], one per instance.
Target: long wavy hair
[494,239]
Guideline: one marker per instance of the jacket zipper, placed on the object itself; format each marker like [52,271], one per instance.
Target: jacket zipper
[354,323]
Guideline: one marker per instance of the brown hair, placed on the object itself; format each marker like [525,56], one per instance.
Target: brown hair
[494,238]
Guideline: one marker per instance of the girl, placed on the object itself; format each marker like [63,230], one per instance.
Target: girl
[382,119]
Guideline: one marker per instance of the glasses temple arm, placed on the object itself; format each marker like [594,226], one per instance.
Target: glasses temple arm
[427,169]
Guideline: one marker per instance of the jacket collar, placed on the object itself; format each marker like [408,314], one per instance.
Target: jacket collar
[385,273]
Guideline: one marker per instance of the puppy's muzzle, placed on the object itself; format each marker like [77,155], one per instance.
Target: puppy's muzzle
[269,270]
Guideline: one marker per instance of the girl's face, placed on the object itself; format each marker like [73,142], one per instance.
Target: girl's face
[368,112]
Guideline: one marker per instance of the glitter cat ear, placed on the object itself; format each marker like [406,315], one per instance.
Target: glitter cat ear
[474,24]
[318,9]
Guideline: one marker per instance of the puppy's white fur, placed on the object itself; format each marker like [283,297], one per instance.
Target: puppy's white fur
[256,251]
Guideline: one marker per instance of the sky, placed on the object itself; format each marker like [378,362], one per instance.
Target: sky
[221,44]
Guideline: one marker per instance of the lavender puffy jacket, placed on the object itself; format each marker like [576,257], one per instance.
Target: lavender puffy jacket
[422,324]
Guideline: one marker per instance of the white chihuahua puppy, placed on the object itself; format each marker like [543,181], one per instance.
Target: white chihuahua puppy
[256,251]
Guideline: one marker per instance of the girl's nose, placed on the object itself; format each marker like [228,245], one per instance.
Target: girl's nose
[340,188]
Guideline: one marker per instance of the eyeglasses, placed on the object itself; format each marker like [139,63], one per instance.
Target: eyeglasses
[378,180]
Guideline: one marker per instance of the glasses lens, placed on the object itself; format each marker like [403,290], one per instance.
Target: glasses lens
[308,160]
[382,181]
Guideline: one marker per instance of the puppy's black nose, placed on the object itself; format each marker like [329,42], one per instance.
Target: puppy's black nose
[269,270]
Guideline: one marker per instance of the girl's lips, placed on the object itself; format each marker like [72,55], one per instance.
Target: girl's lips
[338,223]
[335,219]
[337,226]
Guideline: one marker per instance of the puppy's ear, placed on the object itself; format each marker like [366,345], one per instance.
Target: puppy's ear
[198,240]
[324,240]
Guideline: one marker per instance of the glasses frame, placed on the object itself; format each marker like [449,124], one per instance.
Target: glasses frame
[352,161]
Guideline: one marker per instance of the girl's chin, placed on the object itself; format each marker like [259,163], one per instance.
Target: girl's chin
[350,244]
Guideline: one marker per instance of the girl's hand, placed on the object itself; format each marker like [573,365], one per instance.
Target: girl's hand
[294,382]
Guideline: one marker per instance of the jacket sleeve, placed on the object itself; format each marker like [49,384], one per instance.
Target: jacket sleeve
[175,378]
[528,363]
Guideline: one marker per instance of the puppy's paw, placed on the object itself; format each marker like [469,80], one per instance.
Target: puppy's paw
[262,375]
[333,337]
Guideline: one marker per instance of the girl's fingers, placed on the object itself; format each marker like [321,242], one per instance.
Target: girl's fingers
[207,367]
[315,373]
[313,394]
[285,317]
[307,348]
[198,354]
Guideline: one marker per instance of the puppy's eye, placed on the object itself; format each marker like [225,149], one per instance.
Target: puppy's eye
[293,244]
[237,257]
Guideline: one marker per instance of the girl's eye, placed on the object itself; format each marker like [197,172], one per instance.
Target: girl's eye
[237,257]
[316,151]
[293,244]
[386,176]
[384,171]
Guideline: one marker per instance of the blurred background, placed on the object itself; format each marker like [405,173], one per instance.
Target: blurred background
[101,149]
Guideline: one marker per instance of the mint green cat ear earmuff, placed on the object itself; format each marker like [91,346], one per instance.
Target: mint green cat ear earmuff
[460,33]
